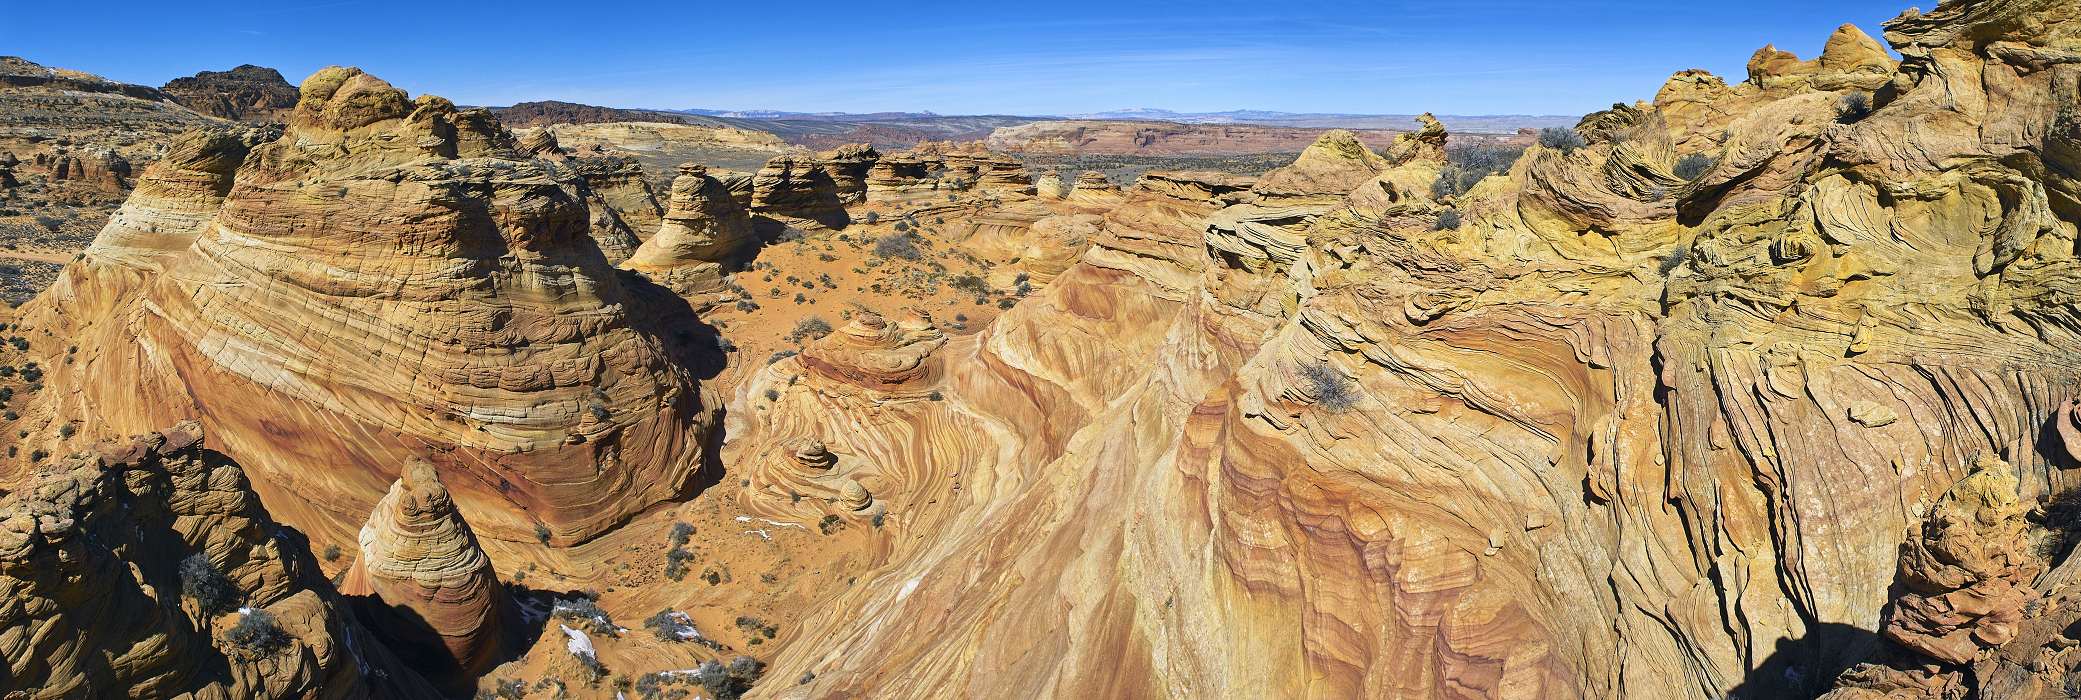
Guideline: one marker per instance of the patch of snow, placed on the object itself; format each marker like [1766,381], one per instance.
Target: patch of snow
[761,533]
[744,518]
[908,587]
[579,644]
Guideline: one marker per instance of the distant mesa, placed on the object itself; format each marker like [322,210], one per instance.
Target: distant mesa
[246,93]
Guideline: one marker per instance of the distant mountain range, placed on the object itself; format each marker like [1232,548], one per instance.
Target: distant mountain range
[1480,124]
[1477,124]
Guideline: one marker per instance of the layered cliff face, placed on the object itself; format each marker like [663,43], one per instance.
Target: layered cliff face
[1617,433]
[140,567]
[440,601]
[389,278]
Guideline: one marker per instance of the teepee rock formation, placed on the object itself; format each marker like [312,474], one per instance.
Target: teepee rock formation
[420,560]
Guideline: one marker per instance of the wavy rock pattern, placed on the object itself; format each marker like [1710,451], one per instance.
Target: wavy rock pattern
[388,279]
[1615,436]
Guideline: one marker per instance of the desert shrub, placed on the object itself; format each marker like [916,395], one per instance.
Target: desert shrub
[789,235]
[772,394]
[1561,139]
[681,532]
[584,611]
[211,590]
[1466,165]
[592,666]
[756,627]
[1332,390]
[871,218]
[332,552]
[510,689]
[1854,107]
[810,328]
[542,533]
[675,563]
[747,305]
[778,356]
[897,245]
[65,431]
[257,634]
[1693,166]
[1674,259]
[829,524]
[2061,517]
[970,283]
[728,681]
[1447,220]
[671,626]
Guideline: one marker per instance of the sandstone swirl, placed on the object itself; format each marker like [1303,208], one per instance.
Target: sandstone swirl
[389,278]
[1615,434]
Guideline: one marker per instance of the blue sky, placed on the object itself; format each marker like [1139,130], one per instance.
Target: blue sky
[1028,57]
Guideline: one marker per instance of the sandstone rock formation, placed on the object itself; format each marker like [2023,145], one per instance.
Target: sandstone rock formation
[800,188]
[1093,191]
[848,167]
[95,554]
[902,178]
[445,609]
[703,233]
[390,278]
[246,93]
[1968,574]
[1617,434]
